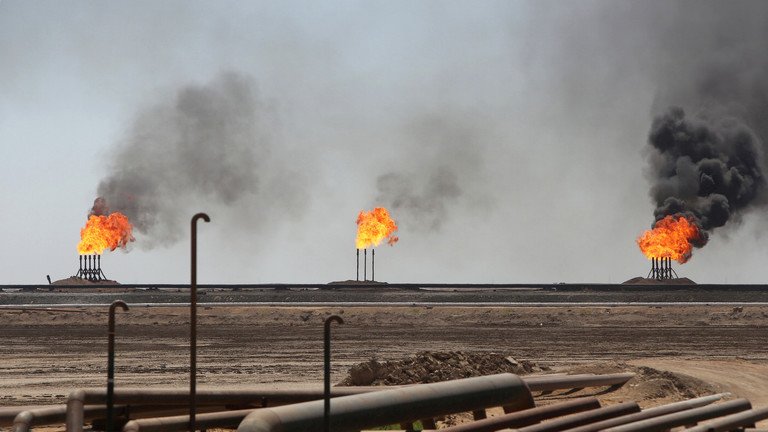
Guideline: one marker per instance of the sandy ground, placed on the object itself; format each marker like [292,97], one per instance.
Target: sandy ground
[47,354]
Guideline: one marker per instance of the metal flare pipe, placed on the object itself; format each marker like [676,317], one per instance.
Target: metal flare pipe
[688,417]
[401,405]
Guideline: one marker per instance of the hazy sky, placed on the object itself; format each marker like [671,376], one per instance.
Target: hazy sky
[508,139]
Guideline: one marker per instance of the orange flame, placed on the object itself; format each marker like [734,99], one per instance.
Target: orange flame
[672,237]
[102,232]
[373,227]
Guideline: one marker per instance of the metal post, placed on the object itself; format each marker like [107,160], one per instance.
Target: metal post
[373,264]
[357,276]
[193,322]
[327,393]
[111,363]
[365,264]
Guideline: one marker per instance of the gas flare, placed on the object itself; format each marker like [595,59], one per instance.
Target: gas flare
[102,232]
[672,237]
[374,227]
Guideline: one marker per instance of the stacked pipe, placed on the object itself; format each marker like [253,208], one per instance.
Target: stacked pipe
[661,269]
[365,264]
[90,268]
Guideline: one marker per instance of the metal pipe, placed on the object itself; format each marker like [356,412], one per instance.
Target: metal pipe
[357,275]
[405,404]
[193,320]
[327,375]
[733,421]
[580,419]
[111,362]
[365,264]
[78,399]
[373,264]
[691,416]
[559,382]
[224,419]
[649,413]
[51,415]
[527,417]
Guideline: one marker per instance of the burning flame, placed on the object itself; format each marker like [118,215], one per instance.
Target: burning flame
[375,226]
[672,237]
[102,232]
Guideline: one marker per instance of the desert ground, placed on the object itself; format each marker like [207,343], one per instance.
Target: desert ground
[678,351]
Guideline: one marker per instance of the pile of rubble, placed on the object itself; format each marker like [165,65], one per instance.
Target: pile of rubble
[429,367]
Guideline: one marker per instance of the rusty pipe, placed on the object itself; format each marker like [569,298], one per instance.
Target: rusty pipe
[111,362]
[80,400]
[327,374]
[580,419]
[683,418]
[559,382]
[405,404]
[217,420]
[53,414]
[527,417]
[650,412]
[740,420]
[193,320]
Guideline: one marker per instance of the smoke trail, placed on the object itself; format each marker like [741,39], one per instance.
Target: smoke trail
[447,157]
[210,144]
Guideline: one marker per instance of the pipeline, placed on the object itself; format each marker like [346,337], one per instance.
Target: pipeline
[688,417]
[402,405]
[48,415]
[76,409]
[733,421]
[580,419]
[226,420]
[650,413]
[559,382]
[527,417]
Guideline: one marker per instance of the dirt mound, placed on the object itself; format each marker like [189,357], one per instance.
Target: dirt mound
[649,387]
[74,280]
[646,281]
[427,367]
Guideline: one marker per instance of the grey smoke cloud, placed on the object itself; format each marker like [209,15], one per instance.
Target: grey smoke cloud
[444,157]
[210,143]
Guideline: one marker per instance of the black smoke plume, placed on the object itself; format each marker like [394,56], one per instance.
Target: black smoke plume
[707,158]
[210,145]
[708,170]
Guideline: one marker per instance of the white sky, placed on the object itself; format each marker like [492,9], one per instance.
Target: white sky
[557,98]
